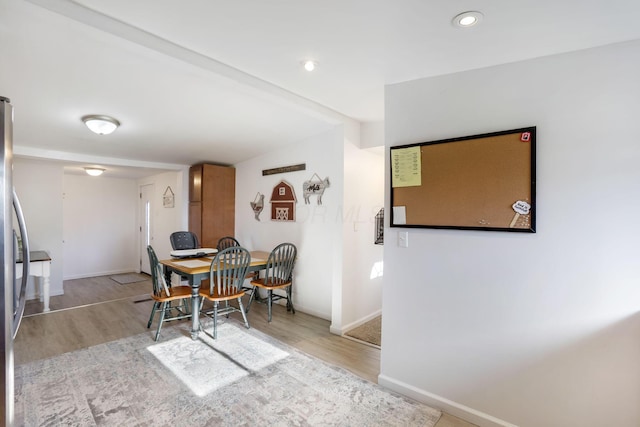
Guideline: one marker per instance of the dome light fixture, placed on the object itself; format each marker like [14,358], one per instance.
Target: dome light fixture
[467,19]
[102,125]
[94,171]
[309,64]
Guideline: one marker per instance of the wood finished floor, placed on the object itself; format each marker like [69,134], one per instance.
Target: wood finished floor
[98,310]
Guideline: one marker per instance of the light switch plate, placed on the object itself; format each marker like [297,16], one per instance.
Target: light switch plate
[403,239]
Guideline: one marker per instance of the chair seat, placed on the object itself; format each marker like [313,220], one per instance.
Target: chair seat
[270,284]
[176,292]
[230,294]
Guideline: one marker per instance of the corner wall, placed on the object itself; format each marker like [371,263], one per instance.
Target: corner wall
[526,329]
[316,231]
[335,239]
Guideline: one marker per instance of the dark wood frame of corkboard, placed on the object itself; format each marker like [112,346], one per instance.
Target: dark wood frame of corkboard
[471,183]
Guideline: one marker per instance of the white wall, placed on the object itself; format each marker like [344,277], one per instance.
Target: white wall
[167,220]
[335,240]
[534,329]
[39,187]
[317,229]
[100,226]
[361,297]
[92,212]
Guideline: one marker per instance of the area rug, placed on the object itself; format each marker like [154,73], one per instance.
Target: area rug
[243,378]
[370,331]
[127,278]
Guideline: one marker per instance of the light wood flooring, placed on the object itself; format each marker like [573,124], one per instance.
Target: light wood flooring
[98,310]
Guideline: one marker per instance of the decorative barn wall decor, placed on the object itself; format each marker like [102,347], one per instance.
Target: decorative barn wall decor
[283,202]
[257,205]
[314,187]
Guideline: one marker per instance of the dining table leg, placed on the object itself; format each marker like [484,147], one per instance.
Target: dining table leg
[195,307]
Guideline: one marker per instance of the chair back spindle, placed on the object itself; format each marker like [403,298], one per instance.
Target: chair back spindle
[156,272]
[226,242]
[165,296]
[278,275]
[228,270]
[280,264]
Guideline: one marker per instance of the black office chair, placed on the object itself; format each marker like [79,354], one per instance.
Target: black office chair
[184,240]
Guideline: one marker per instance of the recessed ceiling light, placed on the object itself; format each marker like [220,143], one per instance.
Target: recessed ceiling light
[467,19]
[309,64]
[102,125]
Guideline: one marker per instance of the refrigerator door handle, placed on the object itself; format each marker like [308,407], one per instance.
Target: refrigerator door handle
[19,299]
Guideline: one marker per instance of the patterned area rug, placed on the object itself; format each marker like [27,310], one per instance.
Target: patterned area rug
[368,332]
[243,378]
[124,279]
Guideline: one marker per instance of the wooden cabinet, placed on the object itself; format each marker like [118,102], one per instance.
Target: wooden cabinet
[212,199]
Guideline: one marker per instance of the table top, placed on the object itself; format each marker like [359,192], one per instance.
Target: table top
[36,256]
[202,265]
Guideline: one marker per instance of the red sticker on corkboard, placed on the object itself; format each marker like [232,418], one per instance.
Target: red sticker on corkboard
[525,136]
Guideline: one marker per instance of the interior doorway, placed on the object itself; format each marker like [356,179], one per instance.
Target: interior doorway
[146,226]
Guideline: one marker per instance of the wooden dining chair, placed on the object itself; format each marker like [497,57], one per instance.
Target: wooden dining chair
[164,296]
[278,275]
[226,276]
[226,242]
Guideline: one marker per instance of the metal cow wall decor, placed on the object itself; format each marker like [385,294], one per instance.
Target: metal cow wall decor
[314,188]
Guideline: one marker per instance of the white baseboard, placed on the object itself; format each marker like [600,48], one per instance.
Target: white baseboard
[456,409]
[361,321]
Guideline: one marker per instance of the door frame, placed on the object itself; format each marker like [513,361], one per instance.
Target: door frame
[145,227]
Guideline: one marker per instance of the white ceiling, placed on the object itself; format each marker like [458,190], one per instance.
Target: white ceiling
[221,81]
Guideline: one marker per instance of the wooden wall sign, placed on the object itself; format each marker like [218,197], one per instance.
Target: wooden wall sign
[293,168]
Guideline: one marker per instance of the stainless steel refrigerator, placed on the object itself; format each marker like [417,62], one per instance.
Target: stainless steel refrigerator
[14,247]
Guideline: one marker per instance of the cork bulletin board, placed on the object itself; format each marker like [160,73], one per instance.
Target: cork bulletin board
[479,182]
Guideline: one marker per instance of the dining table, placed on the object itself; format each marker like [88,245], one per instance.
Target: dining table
[196,270]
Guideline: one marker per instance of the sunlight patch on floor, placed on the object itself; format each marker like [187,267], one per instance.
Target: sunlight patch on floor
[205,365]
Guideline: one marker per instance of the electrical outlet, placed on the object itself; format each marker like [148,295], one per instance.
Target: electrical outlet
[403,239]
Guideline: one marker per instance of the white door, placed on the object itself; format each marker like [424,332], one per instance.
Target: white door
[146,234]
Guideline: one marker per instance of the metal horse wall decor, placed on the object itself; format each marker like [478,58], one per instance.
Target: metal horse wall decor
[314,188]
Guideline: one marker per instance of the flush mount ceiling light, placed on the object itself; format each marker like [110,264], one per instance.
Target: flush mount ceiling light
[309,64]
[467,19]
[102,125]
[94,171]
